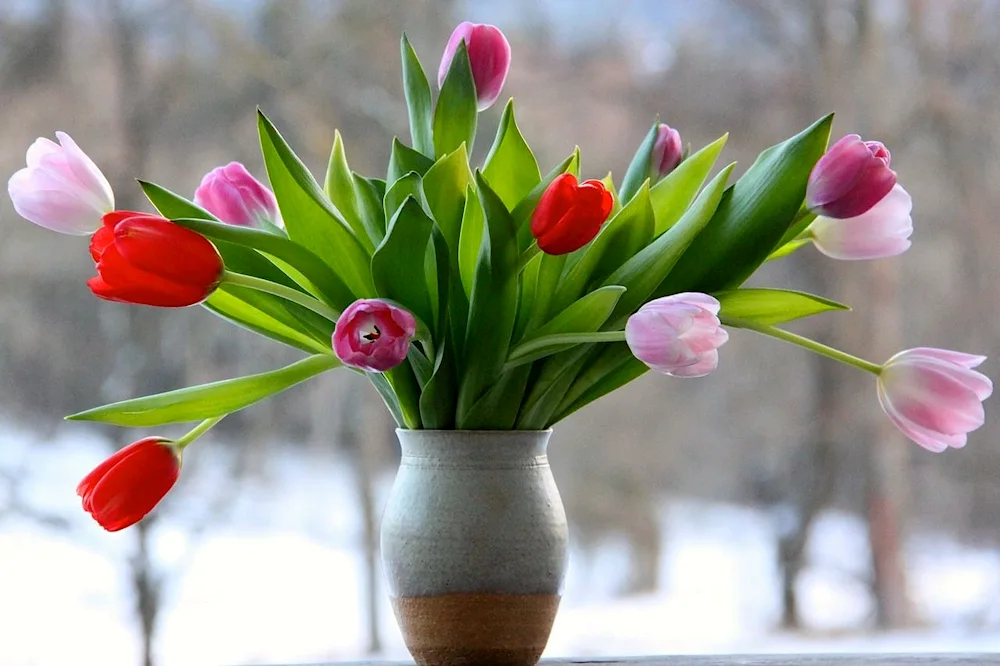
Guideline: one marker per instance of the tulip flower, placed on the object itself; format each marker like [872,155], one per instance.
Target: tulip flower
[128,485]
[569,215]
[489,58]
[148,260]
[668,151]
[236,197]
[883,231]
[934,396]
[677,335]
[850,178]
[373,335]
[61,188]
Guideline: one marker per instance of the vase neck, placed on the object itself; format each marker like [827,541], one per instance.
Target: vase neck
[480,447]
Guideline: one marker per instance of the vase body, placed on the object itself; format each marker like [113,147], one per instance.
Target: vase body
[474,543]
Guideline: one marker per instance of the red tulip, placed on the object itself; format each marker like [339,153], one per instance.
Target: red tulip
[569,215]
[128,485]
[148,260]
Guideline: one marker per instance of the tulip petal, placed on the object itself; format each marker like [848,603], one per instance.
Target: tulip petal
[162,248]
[883,231]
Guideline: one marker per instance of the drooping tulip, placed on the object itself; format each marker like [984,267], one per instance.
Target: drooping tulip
[61,188]
[128,485]
[678,335]
[489,58]
[234,196]
[372,334]
[569,215]
[850,178]
[934,396]
[883,231]
[148,260]
[668,151]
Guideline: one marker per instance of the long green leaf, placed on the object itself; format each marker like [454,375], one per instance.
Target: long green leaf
[470,239]
[339,188]
[398,265]
[370,206]
[445,185]
[418,99]
[269,316]
[638,170]
[773,306]
[510,167]
[404,159]
[456,113]
[672,196]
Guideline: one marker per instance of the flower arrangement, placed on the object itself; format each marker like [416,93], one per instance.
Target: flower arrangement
[485,297]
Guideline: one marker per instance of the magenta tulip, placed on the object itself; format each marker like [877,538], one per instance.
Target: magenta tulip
[373,335]
[850,178]
[883,231]
[234,196]
[677,335]
[61,188]
[933,396]
[668,151]
[489,57]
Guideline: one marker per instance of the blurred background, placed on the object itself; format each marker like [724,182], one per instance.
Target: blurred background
[769,507]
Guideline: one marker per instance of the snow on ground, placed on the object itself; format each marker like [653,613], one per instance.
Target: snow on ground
[280,580]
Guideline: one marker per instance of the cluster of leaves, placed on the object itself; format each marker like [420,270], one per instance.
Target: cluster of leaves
[506,345]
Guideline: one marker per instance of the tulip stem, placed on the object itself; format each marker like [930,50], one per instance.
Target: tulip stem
[803,342]
[198,431]
[282,291]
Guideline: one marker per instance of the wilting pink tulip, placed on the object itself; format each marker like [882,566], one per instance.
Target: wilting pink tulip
[489,57]
[883,231]
[667,152]
[850,178]
[373,335]
[934,396]
[234,196]
[678,335]
[61,188]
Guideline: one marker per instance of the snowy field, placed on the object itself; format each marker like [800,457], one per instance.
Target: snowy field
[278,578]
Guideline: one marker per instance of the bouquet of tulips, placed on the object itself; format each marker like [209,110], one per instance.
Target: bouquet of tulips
[485,296]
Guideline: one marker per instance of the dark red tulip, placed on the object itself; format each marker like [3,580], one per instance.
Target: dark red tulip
[149,260]
[128,485]
[569,215]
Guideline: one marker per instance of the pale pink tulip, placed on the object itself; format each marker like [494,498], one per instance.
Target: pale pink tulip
[933,396]
[850,178]
[677,335]
[236,197]
[489,58]
[668,151]
[61,188]
[373,335]
[882,231]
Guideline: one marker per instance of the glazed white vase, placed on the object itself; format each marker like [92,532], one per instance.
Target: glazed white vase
[474,543]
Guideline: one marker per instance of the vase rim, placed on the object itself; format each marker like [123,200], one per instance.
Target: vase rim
[469,432]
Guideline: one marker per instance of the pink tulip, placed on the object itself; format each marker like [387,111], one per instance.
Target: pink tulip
[236,197]
[677,335]
[489,57]
[373,335]
[850,178]
[61,188]
[667,152]
[933,396]
[882,231]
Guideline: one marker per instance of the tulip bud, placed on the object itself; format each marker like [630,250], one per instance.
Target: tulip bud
[148,260]
[568,215]
[236,197]
[61,188]
[128,485]
[667,152]
[677,335]
[883,231]
[850,178]
[933,396]
[489,57]
[373,335]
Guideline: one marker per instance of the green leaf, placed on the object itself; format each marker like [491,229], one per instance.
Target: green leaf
[418,99]
[752,217]
[615,366]
[398,265]
[310,219]
[437,399]
[406,187]
[456,112]
[269,316]
[773,306]
[638,170]
[403,386]
[207,401]
[497,409]
[510,167]
[672,195]
[548,388]
[788,248]
[404,159]
[445,185]
[470,239]
[172,205]
[339,188]
[370,206]
[381,384]
[609,185]
[550,271]
[493,306]
[523,211]
[526,301]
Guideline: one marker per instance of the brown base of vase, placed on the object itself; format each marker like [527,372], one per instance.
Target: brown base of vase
[476,629]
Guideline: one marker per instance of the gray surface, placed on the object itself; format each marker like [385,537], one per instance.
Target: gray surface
[474,511]
[764,660]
